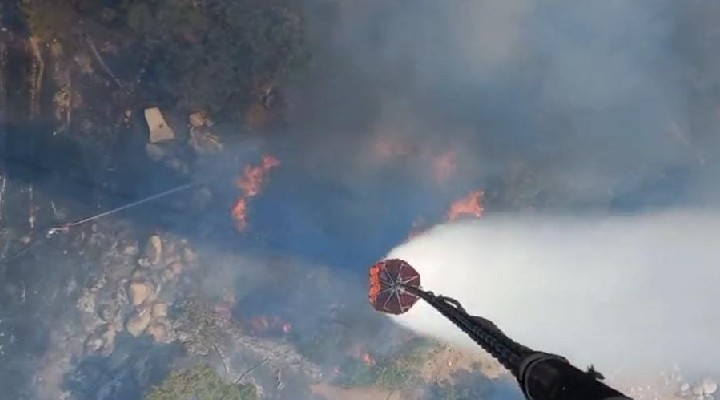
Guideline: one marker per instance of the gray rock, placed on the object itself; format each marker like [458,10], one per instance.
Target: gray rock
[158,331]
[140,292]
[138,322]
[159,310]
[154,250]
[160,131]
[198,119]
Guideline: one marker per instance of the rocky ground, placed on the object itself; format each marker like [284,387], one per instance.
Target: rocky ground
[151,289]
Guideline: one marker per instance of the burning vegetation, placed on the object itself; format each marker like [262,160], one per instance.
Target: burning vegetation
[250,184]
[470,205]
[267,325]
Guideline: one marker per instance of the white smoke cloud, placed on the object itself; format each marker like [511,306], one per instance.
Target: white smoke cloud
[622,292]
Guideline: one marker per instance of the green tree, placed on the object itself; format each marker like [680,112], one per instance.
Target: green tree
[200,383]
[49,19]
[215,58]
[217,55]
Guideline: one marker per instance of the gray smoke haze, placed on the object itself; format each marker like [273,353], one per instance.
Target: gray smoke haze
[591,100]
[579,107]
[602,106]
[565,105]
[631,292]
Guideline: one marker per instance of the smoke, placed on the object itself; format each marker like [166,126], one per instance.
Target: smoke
[551,106]
[592,98]
[558,105]
[584,108]
[623,292]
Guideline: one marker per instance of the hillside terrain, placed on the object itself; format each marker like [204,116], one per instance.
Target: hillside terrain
[147,252]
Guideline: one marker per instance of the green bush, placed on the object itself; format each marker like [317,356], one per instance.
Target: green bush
[216,60]
[218,57]
[386,373]
[200,383]
[49,19]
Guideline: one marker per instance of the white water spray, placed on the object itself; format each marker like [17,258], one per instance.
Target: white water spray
[633,292]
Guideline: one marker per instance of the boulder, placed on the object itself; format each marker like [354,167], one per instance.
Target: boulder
[198,119]
[138,322]
[159,129]
[159,310]
[158,331]
[140,292]
[154,250]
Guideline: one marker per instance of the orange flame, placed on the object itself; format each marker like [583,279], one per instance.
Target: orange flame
[360,353]
[375,284]
[253,176]
[470,205]
[368,359]
[444,166]
[250,183]
[239,213]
